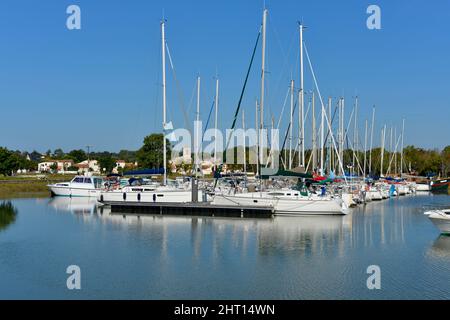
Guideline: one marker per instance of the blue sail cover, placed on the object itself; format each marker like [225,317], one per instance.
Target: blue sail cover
[144,172]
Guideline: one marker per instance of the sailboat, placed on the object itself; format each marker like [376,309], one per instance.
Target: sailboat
[283,201]
[136,191]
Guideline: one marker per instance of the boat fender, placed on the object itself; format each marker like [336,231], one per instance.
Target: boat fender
[124,196]
[139,197]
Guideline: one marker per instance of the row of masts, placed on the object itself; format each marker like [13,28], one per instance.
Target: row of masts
[326,157]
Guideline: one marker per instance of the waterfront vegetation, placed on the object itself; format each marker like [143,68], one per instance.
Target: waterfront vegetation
[416,160]
[8,214]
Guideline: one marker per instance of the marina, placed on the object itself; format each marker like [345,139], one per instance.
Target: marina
[225,151]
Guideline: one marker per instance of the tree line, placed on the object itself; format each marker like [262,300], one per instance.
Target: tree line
[416,160]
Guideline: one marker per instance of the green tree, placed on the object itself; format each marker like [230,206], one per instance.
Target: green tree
[106,162]
[77,155]
[58,153]
[150,155]
[11,161]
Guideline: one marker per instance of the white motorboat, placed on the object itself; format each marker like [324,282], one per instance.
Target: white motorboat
[80,186]
[441,219]
[285,202]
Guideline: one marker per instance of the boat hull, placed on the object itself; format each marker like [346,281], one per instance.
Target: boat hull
[66,191]
[440,185]
[291,207]
[181,196]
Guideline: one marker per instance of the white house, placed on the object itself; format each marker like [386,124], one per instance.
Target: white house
[88,166]
[61,165]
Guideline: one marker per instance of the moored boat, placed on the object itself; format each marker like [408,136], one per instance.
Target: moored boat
[79,186]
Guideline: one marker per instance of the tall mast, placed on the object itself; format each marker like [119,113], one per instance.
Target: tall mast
[383,136]
[257,138]
[291,126]
[244,144]
[314,142]
[215,120]
[342,134]
[355,135]
[197,151]
[401,154]
[163,48]
[371,139]
[263,71]
[365,149]
[330,155]
[321,140]
[301,109]
[395,152]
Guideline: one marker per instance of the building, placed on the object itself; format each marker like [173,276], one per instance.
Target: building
[88,166]
[49,166]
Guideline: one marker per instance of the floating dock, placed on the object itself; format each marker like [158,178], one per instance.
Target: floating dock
[204,209]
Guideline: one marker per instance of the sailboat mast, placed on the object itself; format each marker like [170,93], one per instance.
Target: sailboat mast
[215,119]
[244,144]
[371,139]
[291,124]
[321,141]
[314,133]
[263,72]
[365,149]
[383,136]
[163,48]
[401,154]
[355,135]
[330,155]
[197,149]
[301,109]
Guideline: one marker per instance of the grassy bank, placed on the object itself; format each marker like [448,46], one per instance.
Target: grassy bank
[29,186]
[29,189]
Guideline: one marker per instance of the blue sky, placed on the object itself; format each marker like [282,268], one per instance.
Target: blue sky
[101,85]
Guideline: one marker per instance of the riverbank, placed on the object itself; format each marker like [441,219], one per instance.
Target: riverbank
[28,186]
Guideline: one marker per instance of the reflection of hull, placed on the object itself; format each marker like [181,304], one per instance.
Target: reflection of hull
[441,247]
[441,219]
[74,205]
[67,191]
[284,206]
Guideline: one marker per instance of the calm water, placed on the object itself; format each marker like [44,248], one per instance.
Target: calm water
[212,258]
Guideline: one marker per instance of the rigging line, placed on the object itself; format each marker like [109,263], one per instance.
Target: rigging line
[282,109]
[179,90]
[323,108]
[207,121]
[243,90]
[285,59]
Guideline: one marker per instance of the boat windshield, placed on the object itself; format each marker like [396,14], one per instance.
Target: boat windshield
[98,183]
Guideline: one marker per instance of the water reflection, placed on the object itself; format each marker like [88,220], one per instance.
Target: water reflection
[8,214]
[372,225]
[441,247]
[77,206]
